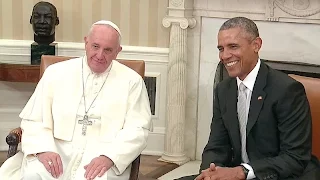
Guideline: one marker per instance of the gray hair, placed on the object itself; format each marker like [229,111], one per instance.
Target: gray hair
[241,22]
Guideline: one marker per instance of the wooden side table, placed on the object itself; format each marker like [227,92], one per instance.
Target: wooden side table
[19,72]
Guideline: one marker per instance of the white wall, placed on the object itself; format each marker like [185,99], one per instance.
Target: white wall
[14,95]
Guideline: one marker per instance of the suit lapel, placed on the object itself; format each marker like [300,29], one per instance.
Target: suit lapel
[257,97]
[231,113]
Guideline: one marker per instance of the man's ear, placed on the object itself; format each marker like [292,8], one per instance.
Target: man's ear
[257,43]
[57,21]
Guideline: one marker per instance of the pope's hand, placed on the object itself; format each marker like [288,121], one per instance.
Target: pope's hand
[52,162]
[97,167]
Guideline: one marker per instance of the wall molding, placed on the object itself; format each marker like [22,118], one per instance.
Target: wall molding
[305,12]
[18,52]
[155,145]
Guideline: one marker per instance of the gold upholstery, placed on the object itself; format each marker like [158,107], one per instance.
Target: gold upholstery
[312,87]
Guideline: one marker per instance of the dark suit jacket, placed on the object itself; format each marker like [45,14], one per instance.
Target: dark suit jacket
[278,129]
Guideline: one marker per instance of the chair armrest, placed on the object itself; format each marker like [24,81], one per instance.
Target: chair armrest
[13,139]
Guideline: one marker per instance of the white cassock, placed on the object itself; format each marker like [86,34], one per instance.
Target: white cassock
[120,116]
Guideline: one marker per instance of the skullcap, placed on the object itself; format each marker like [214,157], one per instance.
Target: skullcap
[105,22]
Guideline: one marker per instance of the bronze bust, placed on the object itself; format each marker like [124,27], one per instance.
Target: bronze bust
[44,20]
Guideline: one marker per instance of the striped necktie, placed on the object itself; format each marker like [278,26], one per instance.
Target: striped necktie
[243,118]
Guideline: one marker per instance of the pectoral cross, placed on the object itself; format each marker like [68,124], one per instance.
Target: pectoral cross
[85,122]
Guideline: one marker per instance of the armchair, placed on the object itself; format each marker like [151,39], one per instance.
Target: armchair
[14,137]
[312,86]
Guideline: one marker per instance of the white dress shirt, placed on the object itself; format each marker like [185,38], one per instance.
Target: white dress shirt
[249,83]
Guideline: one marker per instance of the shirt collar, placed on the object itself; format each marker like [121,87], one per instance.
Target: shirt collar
[251,77]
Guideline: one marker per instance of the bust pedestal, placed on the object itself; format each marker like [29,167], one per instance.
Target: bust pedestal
[37,50]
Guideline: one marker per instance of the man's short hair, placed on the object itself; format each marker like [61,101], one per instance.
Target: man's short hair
[241,22]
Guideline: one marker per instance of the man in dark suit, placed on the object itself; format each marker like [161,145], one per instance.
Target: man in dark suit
[261,127]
